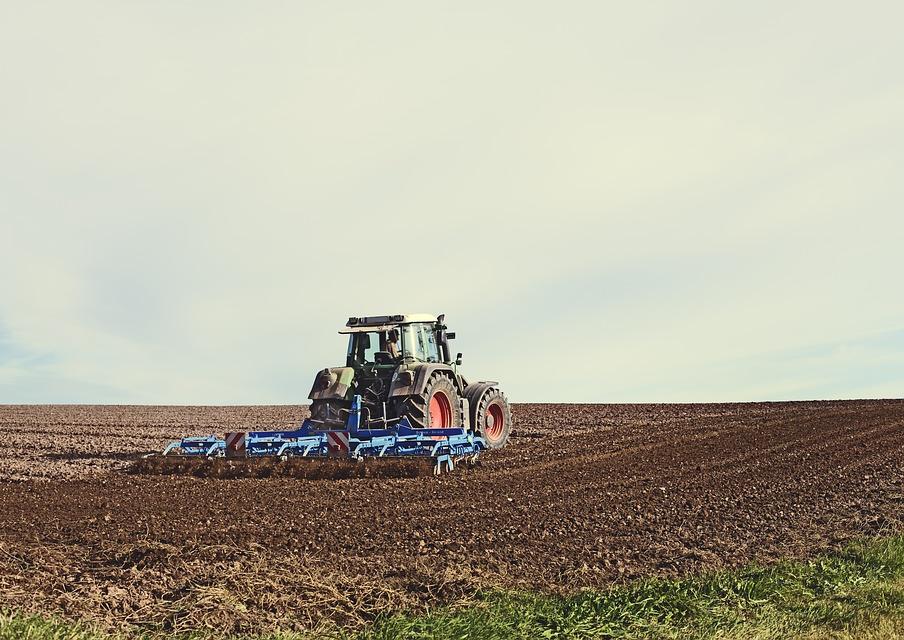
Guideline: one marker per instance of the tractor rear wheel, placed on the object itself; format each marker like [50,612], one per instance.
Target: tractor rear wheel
[437,407]
[332,413]
[493,418]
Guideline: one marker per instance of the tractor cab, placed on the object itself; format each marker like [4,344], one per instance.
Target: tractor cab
[386,347]
[385,341]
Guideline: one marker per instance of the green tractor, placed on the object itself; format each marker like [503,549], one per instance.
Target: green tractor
[401,366]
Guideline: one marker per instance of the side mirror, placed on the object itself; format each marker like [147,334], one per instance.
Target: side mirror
[365,341]
[450,335]
[458,359]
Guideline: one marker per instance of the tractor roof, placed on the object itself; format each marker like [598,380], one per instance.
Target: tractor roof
[382,323]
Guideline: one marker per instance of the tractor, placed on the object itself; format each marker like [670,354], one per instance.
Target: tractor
[401,366]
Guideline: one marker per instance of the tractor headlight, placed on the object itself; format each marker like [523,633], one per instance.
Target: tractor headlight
[403,378]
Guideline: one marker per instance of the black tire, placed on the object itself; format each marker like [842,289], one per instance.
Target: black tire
[493,408]
[332,413]
[417,407]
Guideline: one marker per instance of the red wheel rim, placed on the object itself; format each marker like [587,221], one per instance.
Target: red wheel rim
[440,411]
[494,423]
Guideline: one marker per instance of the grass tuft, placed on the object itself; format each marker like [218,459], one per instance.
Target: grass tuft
[18,627]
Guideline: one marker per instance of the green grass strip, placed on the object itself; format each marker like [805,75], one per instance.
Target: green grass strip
[858,589]
[17,627]
[854,593]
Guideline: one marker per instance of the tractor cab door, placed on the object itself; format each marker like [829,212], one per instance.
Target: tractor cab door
[419,342]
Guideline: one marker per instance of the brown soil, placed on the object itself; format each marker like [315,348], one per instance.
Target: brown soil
[272,467]
[584,495]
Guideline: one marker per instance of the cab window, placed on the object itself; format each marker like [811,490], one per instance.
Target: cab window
[419,342]
[430,343]
[362,347]
[412,342]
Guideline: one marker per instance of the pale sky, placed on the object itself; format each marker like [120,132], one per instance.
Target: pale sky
[611,202]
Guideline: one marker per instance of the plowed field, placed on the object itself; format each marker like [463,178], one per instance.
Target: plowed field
[584,495]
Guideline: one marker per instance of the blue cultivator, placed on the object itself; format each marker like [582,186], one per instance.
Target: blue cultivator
[351,452]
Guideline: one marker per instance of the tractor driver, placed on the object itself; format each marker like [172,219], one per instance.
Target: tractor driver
[392,345]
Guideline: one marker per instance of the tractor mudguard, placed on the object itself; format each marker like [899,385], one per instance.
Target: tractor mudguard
[332,384]
[413,380]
